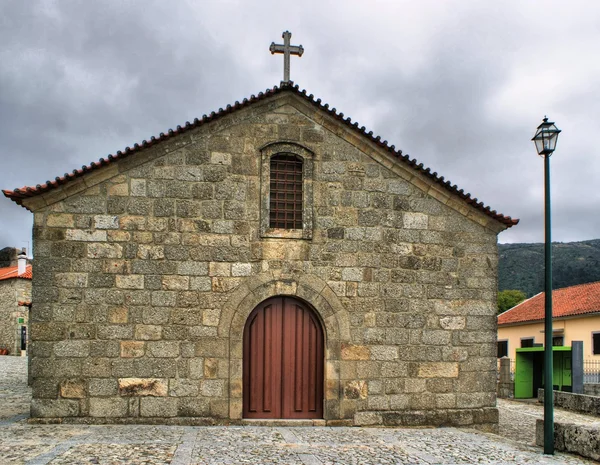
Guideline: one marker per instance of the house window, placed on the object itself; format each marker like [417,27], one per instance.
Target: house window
[502,349]
[596,343]
[558,341]
[286,191]
[285,197]
[527,342]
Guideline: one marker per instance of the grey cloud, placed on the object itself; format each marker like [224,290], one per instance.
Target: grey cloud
[81,80]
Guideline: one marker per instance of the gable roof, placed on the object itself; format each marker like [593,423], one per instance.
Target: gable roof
[582,299]
[11,272]
[18,194]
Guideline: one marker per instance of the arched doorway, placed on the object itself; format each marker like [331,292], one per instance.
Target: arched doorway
[283,361]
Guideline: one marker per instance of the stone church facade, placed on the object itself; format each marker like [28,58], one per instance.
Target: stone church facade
[271,260]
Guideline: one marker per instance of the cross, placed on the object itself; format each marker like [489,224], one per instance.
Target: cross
[287,50]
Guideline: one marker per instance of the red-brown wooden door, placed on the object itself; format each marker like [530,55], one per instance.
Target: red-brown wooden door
[283,361]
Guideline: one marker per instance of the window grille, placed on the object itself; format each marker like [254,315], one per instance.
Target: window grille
[285,200]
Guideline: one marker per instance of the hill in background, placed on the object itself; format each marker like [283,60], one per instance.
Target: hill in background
[521,266]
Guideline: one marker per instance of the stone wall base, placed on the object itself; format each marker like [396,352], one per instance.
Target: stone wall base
[485,419]
[574,402]
[591,389]
[576,439]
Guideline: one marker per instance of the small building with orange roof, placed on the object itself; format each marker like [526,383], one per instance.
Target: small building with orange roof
[15,300]
[576,317]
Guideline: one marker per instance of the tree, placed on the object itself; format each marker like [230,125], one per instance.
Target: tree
[509,298]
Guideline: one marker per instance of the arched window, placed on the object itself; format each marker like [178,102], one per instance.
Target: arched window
[285,193]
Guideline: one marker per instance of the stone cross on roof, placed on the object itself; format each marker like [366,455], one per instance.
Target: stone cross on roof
[287,50]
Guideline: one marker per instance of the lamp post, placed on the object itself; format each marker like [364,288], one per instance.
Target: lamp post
[545,139]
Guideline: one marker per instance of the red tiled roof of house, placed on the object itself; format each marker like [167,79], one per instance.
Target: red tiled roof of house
[568,301]
[17,195]
[24,303]
[10,272]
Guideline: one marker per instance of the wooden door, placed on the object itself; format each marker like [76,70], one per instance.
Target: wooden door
[283,361]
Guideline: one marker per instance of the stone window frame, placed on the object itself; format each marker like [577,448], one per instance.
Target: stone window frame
[293,148]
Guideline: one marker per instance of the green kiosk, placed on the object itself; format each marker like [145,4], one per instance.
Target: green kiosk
[529,369]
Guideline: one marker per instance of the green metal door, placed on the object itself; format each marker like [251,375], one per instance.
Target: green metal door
[524,376]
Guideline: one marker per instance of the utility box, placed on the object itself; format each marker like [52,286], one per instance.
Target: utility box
[529,370]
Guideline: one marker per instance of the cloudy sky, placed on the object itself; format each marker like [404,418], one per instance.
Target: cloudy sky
[458,85]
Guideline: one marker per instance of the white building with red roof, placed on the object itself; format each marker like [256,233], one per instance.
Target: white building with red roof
[576,317]
[15,299]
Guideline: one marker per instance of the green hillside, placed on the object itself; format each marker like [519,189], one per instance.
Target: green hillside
[521,266]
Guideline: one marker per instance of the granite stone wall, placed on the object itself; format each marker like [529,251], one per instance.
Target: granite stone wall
[11,292]
[147,269]
[582,403]
[577,439]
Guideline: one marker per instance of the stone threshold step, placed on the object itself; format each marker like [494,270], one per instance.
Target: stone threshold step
[286,422]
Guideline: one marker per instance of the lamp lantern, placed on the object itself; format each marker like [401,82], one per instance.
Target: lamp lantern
[545,138]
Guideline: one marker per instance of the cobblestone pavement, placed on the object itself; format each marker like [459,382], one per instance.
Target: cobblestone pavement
[517,419]
[22,443]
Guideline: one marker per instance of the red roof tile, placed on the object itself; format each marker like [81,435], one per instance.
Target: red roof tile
[22,303]
[17,195]
[10,272]
[569,301]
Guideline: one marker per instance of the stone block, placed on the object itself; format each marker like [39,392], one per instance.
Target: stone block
[352,274]
[192,268]
[367,419]
[195,407]
[437,370]
[355,352]
[175,283]
[108,250]
[355,389]
[72,388]
[384,352]
[106,222]
[452,322]
[196,368]
[163,349]
[212,387]
[241,269]
[72,348]
[201,283]
[102,387]
[158,407]
[148,332]
[71,280]
[219,269]
[132,349]
[114,331]
[154,387]
[164,298]
[54,408]
[85,235]
[183,387]
[108,407]
[60,220]
[130,281]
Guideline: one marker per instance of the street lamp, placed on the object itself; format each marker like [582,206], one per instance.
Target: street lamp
[545,142]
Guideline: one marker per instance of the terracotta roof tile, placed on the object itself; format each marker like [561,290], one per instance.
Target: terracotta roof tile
[17,195]
[10,272]
[23,303]
[569,301]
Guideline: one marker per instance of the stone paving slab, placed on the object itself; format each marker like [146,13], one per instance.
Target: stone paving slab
[32,444]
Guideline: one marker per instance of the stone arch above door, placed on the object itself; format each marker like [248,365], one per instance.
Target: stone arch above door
[308,288]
